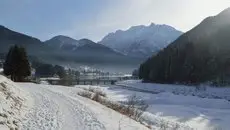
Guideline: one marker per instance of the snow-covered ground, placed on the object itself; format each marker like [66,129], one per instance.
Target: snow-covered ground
[47,107]
[60,108]
[14,102]
[205,92]
[176,105]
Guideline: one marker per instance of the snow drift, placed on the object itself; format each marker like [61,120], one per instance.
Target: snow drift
[13,104]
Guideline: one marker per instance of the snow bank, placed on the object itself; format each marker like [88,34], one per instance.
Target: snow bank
[205,92]
[13,104]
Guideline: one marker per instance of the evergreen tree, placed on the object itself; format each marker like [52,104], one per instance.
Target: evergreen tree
[16,64]
[8,68]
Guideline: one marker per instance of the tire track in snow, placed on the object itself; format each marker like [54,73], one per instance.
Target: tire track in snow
[56,111]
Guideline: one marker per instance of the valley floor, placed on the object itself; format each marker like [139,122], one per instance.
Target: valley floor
[29,106]
[176,105]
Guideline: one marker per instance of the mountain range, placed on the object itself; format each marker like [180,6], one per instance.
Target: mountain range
[87,51]
[199,55]
[123,47]
[62,49]
[141,41]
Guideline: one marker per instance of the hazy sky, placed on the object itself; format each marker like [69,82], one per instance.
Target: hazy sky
[94,19]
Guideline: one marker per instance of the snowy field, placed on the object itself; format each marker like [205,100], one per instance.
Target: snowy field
[204,92]
[29,106]
[180,106]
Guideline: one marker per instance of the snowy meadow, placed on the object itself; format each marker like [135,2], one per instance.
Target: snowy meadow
[175,106]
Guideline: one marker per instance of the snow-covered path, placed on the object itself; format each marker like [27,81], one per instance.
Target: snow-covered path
[56,111]
[56,108]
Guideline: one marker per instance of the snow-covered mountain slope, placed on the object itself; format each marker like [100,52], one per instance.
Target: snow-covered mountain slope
[14,102]
[60,108]
[141,41]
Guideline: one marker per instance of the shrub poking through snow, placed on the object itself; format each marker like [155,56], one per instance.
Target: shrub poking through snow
[136,106]
[86,94]
[133,108]
[96,97]
[97,90]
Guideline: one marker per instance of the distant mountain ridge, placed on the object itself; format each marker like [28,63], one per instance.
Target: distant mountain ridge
[9,38]
[70,44]
[200,55]
[75,46]
[141,41]
[62,49]
[87,51]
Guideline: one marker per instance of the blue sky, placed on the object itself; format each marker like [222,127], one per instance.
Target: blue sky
[94,19]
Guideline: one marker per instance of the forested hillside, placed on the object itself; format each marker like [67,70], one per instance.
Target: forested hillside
[202,54]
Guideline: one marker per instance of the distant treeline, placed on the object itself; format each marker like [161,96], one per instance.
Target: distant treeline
[48,70]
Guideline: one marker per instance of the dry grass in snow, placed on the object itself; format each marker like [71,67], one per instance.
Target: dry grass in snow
[133,108]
